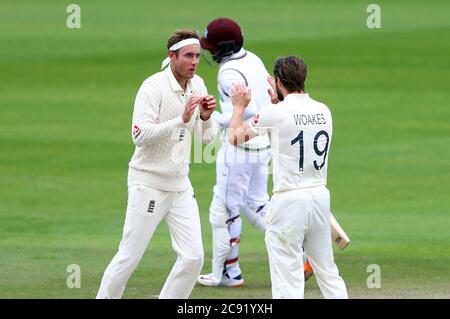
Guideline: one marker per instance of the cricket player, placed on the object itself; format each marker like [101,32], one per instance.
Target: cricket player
[242,170]
[170,105]
[298,219]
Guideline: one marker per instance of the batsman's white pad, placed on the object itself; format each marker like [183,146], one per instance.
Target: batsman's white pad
[218,217]
[221,250]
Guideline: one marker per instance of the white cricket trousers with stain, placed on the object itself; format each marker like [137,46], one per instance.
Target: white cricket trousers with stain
[301,218]
[145,210]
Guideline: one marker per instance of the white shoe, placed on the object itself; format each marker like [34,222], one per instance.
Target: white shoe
[231,282]
[210,280]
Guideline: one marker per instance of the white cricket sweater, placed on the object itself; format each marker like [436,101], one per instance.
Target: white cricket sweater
[163,141]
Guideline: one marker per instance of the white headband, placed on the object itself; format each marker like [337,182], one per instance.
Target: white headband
[177,46]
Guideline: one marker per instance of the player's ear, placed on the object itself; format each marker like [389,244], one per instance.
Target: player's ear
[172,55]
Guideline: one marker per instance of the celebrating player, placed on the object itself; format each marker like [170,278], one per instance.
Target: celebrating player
[298,219]
[169,106]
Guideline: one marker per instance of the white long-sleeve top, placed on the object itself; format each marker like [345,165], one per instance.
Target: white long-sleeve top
[163,141]
[245,67]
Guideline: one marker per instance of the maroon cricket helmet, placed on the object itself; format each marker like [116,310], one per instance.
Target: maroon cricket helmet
[220,32]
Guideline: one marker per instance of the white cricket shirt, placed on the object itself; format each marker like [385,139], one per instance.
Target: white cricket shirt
[300,131]
[244,67]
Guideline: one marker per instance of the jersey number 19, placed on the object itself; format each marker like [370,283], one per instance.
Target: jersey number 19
[323,152]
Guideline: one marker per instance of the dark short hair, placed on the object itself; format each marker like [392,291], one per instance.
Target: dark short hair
[291,71]
[180,35]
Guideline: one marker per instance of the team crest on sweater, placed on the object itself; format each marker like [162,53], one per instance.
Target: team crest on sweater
[256,119]
[136,131]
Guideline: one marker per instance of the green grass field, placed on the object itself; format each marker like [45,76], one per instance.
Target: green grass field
[66,100]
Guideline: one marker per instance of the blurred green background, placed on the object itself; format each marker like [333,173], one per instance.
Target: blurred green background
[66,100]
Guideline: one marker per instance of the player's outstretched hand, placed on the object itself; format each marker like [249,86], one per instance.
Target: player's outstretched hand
[272,94]
[240,95]
[189,109]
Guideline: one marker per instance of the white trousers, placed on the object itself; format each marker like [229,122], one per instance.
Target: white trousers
[301,218]
[145,210]
[241,187]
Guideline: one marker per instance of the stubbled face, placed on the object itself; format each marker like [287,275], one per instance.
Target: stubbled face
[185,65]
[279,94]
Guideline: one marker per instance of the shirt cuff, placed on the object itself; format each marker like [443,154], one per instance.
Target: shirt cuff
[180,123]
[200,115]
